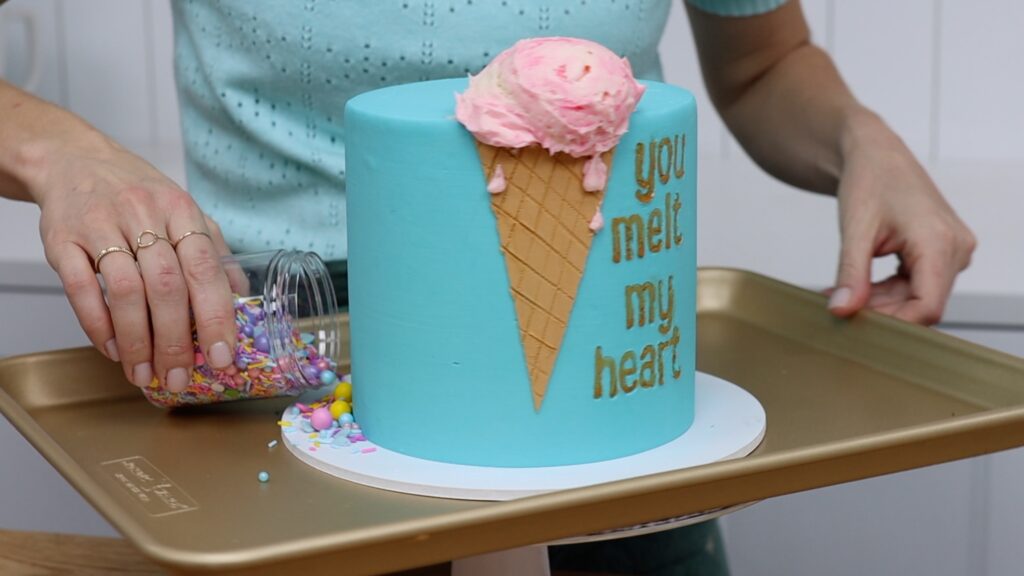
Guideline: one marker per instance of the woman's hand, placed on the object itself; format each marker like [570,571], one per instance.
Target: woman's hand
[95,195]
[787,105]
[103,208]
[889,205]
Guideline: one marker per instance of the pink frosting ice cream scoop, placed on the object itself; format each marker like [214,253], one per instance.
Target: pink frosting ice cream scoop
[565,94]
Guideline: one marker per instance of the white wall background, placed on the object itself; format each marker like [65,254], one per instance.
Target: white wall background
[944,73]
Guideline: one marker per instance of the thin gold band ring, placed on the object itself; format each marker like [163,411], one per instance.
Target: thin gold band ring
[187,234]
[106,252]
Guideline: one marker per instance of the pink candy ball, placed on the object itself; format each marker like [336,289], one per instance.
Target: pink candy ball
[321,419]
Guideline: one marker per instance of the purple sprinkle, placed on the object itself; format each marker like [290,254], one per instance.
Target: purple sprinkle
[310,372]
[247,330]
[262,343]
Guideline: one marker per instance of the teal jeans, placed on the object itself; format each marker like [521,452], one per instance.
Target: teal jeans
[695,550]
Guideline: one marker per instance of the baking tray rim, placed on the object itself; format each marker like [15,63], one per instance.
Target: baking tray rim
[577,498]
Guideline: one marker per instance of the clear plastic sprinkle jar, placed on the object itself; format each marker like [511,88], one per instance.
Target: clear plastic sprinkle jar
[288,333]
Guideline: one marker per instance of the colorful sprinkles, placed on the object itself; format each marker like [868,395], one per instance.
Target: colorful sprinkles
[257,373]
[327,423]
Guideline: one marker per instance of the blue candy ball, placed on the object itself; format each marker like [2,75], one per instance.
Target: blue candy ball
[346,418]
[328,377]
[263,476]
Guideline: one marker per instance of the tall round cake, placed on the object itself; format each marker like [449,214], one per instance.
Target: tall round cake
[504,312]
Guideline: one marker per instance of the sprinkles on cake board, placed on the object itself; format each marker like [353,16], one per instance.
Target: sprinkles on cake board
[327,423]
[257,372]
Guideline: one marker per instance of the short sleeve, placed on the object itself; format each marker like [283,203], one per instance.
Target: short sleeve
[736,7]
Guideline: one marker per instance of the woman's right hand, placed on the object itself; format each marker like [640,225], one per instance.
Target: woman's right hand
[96,195]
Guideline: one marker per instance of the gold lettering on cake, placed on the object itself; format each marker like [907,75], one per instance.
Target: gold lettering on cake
[679,168]
[647,370]
[666,306]
[615,372]
[677,236]
[654,223]
[627,367]
[665,168]
[648,302]
[666,157]
[643,299]
[632,227]
[645,177]
[633,237]
[601,362]
[637,305]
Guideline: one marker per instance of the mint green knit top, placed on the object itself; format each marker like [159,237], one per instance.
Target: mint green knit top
[262,86]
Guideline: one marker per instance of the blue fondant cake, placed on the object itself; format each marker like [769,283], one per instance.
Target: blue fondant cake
[444,360]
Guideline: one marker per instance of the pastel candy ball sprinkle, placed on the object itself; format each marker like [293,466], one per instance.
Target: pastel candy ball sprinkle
[312,373]
[263,476]
[262,343]
[343,391]
[345,419]
[328,377]
[339,408]
[321,419]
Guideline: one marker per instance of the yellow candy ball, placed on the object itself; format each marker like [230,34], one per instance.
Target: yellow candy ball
[343,391]
[339,407]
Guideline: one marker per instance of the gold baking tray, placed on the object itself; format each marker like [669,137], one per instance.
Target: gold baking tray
[845,400]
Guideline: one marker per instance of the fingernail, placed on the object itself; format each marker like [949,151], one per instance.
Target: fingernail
[111,348]
[219,355]
[177,380]
[142,374]
[840,298]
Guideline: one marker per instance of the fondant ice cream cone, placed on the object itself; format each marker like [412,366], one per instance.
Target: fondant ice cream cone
[547,114]
[544,219]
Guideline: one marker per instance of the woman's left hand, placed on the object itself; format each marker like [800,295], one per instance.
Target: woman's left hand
[889,205]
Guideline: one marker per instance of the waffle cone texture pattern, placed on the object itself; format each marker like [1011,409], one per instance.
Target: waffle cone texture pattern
[543,218]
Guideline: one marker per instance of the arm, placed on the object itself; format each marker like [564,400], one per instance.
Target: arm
[93,194]
[787,105]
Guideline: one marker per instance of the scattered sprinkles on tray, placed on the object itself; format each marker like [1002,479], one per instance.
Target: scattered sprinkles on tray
[257,372]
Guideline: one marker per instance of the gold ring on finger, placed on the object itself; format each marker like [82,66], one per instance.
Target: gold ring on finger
[147,238]
[107,251]
[187,234]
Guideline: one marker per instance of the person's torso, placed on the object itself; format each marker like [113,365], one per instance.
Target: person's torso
[263,87]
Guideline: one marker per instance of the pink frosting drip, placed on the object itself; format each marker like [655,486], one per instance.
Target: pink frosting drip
[595,174]
[597,222]
[497,183]
[565,94]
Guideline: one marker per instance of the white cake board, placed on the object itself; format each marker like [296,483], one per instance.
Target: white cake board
[729,423]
